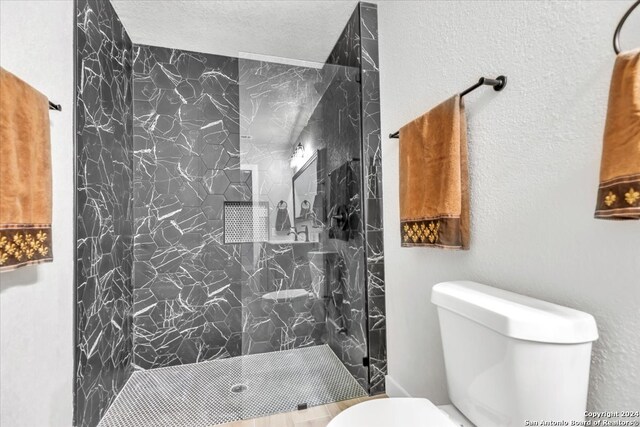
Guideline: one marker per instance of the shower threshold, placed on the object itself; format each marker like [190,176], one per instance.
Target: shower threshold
[219,391]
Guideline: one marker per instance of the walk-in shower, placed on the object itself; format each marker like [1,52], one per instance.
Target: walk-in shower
[229,230]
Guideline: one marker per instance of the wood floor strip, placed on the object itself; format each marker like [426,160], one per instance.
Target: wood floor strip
[317,416]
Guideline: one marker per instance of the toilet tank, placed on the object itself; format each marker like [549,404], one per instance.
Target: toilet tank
[509,358]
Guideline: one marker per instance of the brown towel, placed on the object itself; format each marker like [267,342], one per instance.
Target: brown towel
[434,180]
[619,191]
[25,171]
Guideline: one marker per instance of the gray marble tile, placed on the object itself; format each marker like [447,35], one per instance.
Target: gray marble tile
[104,206]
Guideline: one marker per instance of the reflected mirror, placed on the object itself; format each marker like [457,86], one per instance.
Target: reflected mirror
[307,203]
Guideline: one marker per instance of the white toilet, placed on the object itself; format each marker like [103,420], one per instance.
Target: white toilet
[508,358]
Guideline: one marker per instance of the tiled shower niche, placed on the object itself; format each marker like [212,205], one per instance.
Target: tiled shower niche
[246,222]
[208,139]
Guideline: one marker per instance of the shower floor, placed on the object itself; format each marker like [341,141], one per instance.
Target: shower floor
[200,394]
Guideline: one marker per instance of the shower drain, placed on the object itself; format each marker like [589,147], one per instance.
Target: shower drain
[238,388]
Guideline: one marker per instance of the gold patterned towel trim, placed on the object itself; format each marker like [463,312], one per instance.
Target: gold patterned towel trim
[619,198]
[22,245]
[442,232]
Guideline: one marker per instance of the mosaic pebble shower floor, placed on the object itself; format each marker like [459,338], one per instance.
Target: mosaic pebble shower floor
[200,394]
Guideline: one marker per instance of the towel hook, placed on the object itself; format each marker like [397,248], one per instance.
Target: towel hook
[616,34]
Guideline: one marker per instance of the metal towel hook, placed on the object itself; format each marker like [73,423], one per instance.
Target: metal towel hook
[616,35]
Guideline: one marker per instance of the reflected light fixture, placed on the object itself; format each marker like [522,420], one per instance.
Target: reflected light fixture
[297,156]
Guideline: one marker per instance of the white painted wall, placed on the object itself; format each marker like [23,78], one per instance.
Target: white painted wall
[534,154]
[36,303]
[298,29]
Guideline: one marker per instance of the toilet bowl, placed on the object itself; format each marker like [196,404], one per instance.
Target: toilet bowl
[509,359]
[409,412]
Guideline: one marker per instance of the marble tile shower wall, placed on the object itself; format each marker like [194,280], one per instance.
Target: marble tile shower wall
[286,324]
[372,164]
[104,211]
[187,298]
[197,298]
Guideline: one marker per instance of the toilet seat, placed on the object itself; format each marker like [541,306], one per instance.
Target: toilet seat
[393,412]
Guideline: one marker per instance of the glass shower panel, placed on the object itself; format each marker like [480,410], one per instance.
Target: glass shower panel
[297,217]
[343,239]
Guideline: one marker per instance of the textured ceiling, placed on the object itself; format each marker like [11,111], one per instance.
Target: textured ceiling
[302,30]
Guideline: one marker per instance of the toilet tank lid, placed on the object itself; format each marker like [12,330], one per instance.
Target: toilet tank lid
[515,315]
